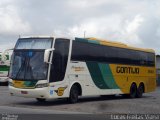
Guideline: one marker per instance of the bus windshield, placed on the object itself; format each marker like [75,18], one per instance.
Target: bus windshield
[27,61]
[28,65]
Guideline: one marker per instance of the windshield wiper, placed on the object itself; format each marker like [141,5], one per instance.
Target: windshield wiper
[28,69]
[21,68]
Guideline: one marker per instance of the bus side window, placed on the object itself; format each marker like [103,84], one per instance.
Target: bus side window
[59,60]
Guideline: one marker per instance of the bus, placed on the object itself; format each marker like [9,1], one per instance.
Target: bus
[49,68]
[4,67]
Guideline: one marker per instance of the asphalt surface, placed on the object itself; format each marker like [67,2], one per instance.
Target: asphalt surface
[91,107]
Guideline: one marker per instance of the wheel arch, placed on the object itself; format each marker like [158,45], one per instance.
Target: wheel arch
[78,84]
[134,83]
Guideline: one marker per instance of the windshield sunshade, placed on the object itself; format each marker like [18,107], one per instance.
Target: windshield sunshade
[29,43]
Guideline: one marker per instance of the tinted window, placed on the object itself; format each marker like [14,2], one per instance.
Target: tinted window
[83,51]
[59,60]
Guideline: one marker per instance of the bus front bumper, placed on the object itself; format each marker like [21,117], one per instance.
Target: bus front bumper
[30,93]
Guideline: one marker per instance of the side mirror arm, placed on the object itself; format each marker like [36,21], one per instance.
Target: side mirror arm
[46,55]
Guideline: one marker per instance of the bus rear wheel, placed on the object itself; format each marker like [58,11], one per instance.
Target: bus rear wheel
[73,98]
[140,91]
[133,91]
[41,100]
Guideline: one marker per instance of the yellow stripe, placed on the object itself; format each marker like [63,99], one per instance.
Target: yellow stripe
[120,45]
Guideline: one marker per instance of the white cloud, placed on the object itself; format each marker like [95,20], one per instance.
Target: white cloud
[85,3]
[129,31]
[135,22]
[99,27]
[78,30]
[133,25]
[113,27]
[10,21]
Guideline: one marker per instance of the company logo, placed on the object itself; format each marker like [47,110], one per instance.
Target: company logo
[129,70]
[78,68]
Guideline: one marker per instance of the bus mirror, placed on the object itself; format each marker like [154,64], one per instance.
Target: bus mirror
[46,55]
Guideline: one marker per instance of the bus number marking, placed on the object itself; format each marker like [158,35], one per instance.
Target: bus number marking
[61,91]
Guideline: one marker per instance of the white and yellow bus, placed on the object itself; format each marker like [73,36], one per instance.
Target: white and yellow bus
[49,68]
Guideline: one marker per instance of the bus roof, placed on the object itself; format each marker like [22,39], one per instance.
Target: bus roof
[31,37]
[119,44]
[97,40]
[42,37]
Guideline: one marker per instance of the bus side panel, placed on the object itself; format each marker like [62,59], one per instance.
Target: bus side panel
[125,75]
[94,78]
[100,79]
[79,73]
[103,78]
[102,75]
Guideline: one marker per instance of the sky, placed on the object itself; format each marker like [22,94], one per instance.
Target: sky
[134,22]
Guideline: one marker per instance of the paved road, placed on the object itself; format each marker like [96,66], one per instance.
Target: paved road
[42,114]
[20,110]
[150,103]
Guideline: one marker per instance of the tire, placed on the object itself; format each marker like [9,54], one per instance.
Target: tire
[140,91]
[126,95]
[107,96]
[41,100]
[73,98]
[133,91]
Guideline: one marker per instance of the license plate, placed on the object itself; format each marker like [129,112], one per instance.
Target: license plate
[24,92]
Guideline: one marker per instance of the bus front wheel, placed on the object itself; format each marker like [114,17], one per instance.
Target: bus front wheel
[133,91]
[40,99]
[73,98]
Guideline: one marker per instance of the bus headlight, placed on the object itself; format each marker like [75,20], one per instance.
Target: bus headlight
[42,85]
